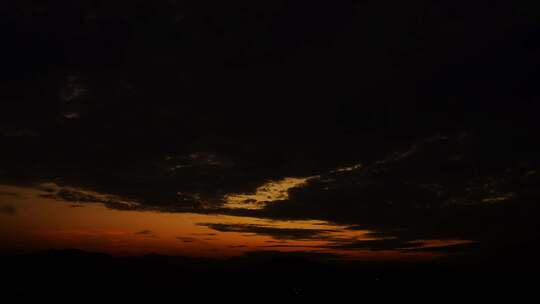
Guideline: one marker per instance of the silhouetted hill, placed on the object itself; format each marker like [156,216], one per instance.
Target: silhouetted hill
[67,273]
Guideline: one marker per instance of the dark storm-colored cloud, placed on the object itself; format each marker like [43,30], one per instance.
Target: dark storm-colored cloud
[290,246]
[186,239]
[458,248]
[76,196]
[277,233]
[144,232]
[437,189]
[8,209]
[83,197]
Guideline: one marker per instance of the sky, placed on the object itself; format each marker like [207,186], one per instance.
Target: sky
[358,130]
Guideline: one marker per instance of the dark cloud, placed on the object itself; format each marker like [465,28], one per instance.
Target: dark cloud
[186,239]
[275,232]
[8,209]
[144,232]
[82,197]
[469,248]
[421,192]
[291,246]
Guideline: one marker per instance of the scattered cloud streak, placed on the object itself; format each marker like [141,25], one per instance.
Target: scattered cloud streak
[144,232]
[275,232]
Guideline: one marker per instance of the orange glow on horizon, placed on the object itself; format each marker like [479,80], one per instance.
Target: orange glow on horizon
[40,223]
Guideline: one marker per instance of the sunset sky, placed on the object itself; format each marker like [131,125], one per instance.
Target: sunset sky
[396,132]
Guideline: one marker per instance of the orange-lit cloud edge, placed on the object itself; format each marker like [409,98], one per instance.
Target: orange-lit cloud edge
[41,222]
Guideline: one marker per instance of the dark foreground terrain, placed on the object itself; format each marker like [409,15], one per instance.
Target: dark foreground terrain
[74,274]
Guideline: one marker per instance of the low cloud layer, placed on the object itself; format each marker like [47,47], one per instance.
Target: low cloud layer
[275,232]
[144,232]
